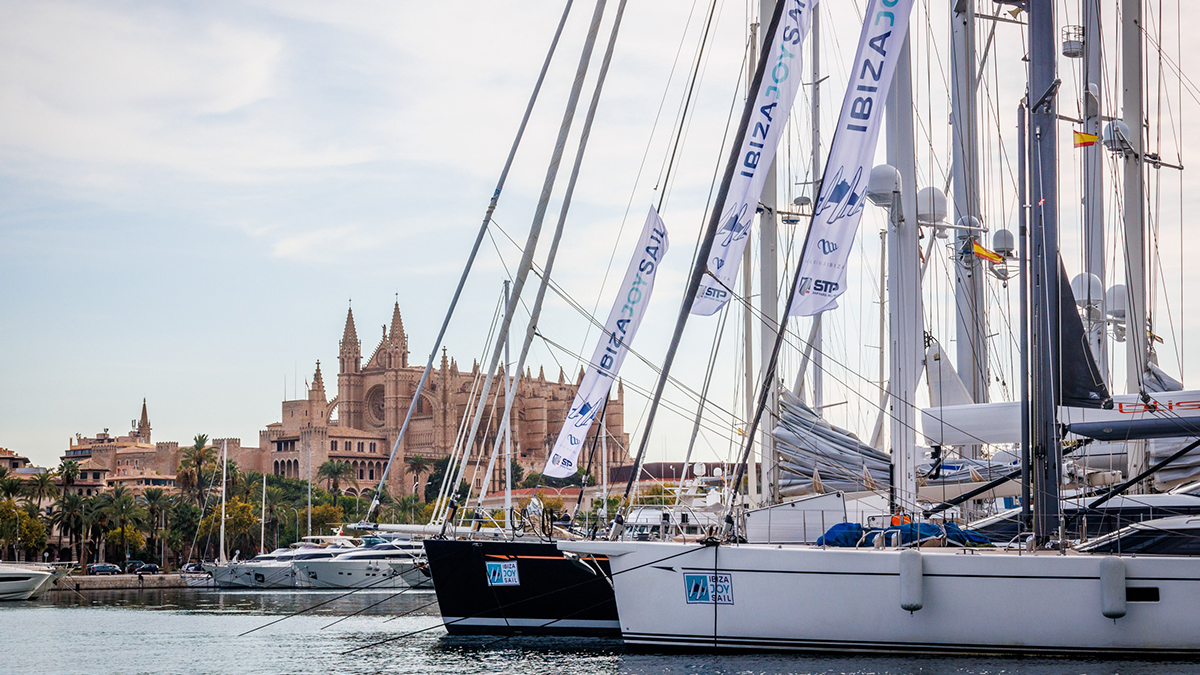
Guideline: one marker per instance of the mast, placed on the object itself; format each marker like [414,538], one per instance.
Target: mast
[1093,187]
[262,518]
[769,302]
[970,309]
[224,459]
[904,285]
[1042,160]
[818,332]
[748,379]
[507,435]
[1135,235]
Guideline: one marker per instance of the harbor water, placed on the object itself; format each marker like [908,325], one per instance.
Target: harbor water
[192,631]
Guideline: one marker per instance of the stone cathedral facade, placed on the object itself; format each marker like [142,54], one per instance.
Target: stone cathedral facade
[360,422]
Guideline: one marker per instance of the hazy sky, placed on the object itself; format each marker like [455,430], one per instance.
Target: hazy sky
[192,193]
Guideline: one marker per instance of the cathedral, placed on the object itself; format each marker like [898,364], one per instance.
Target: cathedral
[360,423]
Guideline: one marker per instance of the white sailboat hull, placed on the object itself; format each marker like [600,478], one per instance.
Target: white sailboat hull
[807,598]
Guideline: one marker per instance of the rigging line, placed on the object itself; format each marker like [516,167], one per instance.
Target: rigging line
[828,355]
[474,251]
[641,167]
[686,104]
[560,226]
[674,407]
[535,227]
[686,125]
[701,263]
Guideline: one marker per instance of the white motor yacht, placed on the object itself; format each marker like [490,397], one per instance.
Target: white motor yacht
[21,583]
[395,564]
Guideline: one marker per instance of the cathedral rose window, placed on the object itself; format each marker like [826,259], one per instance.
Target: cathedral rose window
[375,405]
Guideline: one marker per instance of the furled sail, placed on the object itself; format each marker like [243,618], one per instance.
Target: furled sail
[822,273]
[775,89]
[619,330]
[1082,386]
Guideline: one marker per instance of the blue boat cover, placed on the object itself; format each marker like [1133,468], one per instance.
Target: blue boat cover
[843,534]
[964,536]
[848,535]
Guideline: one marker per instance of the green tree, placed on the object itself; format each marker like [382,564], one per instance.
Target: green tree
[125,536]
[32,535]
[184,522]
[11,487]
[67,516]
[68,470]
[41,489]
[437,476]
[415,465]
[323,515]
[335,471]
[122,510]
[240,521]
[196,465]
[158,506]
[10,524]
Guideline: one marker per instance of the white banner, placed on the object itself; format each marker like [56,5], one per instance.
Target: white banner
[777,85]
[822,270]
[619,330]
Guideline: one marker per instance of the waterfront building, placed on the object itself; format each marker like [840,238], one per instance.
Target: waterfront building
[360,424]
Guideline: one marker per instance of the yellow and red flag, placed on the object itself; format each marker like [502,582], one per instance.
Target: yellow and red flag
[1083,140]
[984,254]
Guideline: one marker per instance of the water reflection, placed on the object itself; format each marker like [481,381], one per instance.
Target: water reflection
[201,631]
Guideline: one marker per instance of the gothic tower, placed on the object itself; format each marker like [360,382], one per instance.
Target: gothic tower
[350,393]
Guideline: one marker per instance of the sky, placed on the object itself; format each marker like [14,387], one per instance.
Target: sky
[192,195]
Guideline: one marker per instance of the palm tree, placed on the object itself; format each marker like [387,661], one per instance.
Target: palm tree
[122,510]
[158,505]
[196,461]
[335,472]
[415,465]
[275,505]
[41,488]
[68,516]
[68,470]
[11,487]
[95,522]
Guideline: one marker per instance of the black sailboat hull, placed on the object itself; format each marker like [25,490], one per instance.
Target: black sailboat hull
[530,589]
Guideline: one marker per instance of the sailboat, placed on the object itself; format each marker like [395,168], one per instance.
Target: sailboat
[888,597]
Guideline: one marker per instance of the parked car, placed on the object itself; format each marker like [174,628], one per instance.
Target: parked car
[103,568]
[149,568]
[132,566]
[193,568]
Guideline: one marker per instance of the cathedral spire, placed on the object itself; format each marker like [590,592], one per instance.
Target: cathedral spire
[350,357]
[397,333]
[317,391]
[143,427]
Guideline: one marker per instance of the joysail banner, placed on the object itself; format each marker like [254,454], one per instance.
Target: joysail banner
[619,330]
[822,272]
[775,85]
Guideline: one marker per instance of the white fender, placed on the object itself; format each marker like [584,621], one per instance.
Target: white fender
[1112,587]
[912,580]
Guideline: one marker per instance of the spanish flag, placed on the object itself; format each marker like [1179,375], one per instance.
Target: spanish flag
[1083,140]
[984,254]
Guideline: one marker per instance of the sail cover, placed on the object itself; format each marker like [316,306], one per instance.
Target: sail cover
[619,330]
[775,85]
[822,273]
[1082,386]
